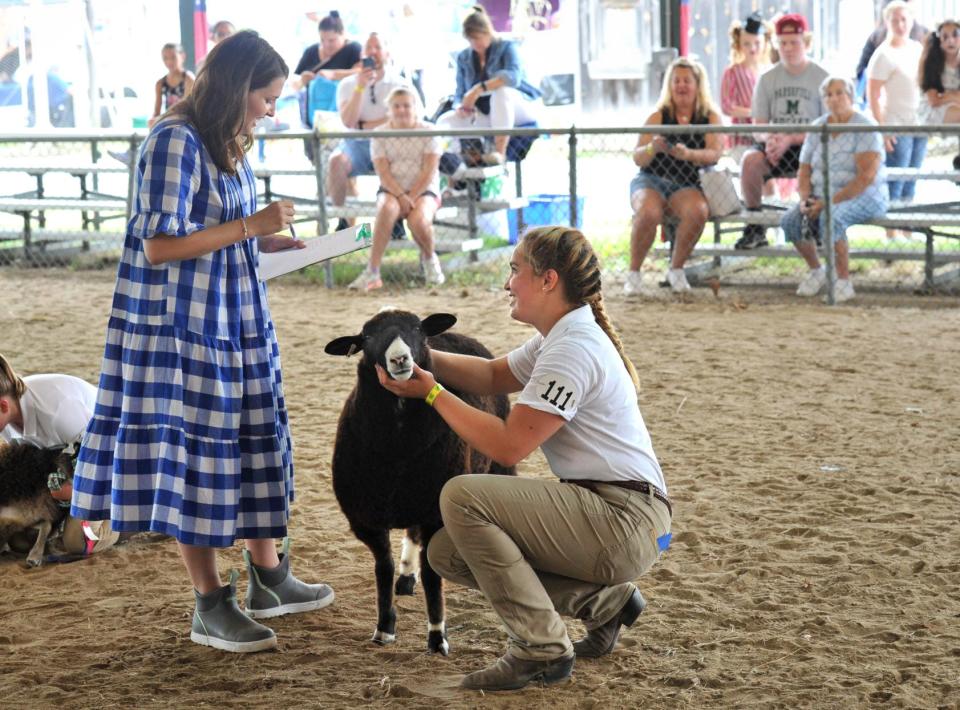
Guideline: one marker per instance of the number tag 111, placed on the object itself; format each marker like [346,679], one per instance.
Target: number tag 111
[558,392]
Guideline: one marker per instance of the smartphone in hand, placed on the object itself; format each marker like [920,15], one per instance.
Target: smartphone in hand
[368,63]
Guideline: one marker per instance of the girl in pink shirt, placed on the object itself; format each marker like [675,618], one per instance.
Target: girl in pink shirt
[749,57]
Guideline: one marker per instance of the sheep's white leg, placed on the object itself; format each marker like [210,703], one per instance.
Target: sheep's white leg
[409,566]
[35,558]
[409,556]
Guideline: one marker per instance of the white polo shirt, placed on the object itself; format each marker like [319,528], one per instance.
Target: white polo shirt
[56,410]
[576,372]
[373,105]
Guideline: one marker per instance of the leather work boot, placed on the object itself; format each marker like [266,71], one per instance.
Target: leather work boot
[275,592]
[601,640]
[218,622]
[512,673]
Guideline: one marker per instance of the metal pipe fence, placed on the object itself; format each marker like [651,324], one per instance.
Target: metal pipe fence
[577,176]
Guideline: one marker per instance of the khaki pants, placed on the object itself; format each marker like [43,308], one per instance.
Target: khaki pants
[539,549]
[75,542]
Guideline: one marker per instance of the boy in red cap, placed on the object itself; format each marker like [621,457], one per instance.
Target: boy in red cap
[789,92]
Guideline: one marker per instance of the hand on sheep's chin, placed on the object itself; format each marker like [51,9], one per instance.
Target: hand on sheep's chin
[417,384]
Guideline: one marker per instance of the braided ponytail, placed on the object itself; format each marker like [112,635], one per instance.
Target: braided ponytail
[11,384]
[567,251]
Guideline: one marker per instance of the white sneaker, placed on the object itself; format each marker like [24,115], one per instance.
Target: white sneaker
[812,282]
[843,291]
[366,281]
[678,280]
[432,271]
[633,286]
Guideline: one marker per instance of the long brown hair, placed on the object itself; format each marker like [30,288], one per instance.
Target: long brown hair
[933,61]
[567,251]
[241,63]
[478,22]
[11,384]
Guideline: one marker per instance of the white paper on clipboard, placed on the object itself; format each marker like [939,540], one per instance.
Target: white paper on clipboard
[320,248]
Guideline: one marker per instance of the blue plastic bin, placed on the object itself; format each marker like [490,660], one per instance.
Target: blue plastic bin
[544,209]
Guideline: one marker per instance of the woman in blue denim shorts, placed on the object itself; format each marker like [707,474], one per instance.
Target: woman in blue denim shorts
[669,177]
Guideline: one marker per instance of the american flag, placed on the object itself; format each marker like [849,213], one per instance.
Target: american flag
[199,30]
[684,27]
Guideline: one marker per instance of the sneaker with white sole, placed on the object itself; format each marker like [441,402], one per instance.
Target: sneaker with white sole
[633,286]
[812,282]
[432,271]
[678,280]
[843,291]
[366,281]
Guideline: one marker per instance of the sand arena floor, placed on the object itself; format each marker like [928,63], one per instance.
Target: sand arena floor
[811,453]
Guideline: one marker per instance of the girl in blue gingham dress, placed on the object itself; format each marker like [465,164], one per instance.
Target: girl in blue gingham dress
[190,435]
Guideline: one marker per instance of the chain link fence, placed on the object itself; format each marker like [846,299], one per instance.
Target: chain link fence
[441,195]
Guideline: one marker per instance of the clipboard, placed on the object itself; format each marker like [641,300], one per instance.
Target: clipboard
[320,248]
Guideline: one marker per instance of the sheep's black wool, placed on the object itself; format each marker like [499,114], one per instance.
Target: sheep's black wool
[393,455]
[25,500]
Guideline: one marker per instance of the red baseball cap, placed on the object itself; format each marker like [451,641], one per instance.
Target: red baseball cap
[792,24]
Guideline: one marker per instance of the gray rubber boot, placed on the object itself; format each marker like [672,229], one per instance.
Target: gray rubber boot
[275,592]
[218,622]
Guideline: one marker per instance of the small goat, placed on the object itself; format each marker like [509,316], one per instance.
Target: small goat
[25,500]
[393,455]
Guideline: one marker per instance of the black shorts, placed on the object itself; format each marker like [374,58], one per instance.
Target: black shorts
[789,164]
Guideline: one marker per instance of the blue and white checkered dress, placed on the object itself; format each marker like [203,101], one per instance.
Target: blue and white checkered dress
[189,436]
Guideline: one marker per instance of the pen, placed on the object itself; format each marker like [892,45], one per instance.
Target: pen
[293,232]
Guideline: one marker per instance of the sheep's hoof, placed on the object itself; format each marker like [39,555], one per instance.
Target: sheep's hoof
[382,638]
[437,643]
[34,562]
[405,584]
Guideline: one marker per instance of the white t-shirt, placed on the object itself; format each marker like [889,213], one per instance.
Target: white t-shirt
[576,372]
[56,410]
[406,156]
[782,97]
[373,105]
[897,67]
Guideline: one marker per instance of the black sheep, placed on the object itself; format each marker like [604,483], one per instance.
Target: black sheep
[393,455]
[25,500]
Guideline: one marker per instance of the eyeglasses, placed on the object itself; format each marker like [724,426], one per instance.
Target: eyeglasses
[373,96]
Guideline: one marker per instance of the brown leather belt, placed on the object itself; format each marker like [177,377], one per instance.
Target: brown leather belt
[642,486]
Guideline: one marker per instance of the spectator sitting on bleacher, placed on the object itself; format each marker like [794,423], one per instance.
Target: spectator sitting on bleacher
[892,77]
[409,188]
[940,77]
[787,93]
[362,103]
[749,58]
[858,185]
[333,57]
[491,89]
[669,177]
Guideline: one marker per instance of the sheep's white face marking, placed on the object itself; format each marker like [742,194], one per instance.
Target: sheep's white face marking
[399,360]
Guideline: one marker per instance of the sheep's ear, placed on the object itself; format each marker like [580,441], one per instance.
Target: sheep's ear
[438,323]
[346,345]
